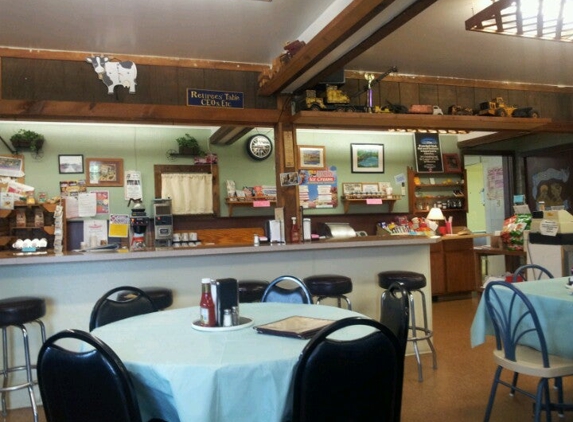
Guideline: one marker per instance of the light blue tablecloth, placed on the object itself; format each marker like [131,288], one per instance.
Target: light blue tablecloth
[553,303]
[186,375]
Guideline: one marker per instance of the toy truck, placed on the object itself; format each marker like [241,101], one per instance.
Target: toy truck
[425,109]
[334,99]
[497,107]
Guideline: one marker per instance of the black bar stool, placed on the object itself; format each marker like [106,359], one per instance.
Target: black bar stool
[162,297]
[331,286]
[16,312]
[414,283]
[252,290]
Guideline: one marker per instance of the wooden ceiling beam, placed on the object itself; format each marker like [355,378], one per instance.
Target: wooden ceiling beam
[348,22]
[227,135]
[393,25]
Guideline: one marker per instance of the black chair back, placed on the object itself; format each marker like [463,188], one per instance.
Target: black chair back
[107,310]
[359,379]
[275,293]
[91,385]
[537,270]
[395,311]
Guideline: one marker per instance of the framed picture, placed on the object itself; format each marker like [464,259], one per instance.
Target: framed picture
[71,164]
[370,187]
[310,157]
[104,172]
[367,158]
[350,188]
[452,163]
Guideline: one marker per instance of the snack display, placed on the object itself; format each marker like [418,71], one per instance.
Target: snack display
[512,232]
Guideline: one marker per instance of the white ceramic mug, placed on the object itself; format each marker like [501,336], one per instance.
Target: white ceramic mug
[193,236]
[185,237]
[176,237]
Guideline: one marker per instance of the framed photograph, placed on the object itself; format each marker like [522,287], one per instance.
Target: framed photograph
[104,172]
[310,157]
[452,163]
[351,188]
[71,163]
[367,158]
[370,187]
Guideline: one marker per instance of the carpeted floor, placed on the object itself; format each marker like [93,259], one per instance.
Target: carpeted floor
[458,389]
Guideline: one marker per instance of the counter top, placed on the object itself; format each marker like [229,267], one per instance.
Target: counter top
[8,258]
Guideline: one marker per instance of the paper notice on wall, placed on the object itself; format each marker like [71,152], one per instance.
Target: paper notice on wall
[118,225]
[72,207]
[133,189]
[87,204]
[94,232]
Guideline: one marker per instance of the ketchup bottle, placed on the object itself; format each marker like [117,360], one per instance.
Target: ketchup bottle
[207,306]
[294,232]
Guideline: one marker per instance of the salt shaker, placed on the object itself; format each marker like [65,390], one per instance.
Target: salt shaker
[227,318]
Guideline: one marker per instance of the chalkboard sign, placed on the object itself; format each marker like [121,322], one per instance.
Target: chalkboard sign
[428,153]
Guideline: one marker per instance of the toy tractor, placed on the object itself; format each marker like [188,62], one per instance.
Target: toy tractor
[497,107]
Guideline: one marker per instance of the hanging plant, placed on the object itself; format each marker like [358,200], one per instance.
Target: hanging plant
[27,139]
[188,145]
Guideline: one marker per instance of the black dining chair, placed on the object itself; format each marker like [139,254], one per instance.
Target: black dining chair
[297,294]
[349,379]
[88,383]
[109,308]
[537,270]
[515,322]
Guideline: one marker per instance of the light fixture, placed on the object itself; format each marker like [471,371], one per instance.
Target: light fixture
[542,19]
[435,216]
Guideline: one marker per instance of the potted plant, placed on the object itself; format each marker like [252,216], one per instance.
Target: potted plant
[188,145]
[27,139]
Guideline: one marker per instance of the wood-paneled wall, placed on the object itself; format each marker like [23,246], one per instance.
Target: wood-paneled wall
[67,80]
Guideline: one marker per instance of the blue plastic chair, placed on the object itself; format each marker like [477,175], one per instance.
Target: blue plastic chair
[515,323]
[522,271]
[299,294]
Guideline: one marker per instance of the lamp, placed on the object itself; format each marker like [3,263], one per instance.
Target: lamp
[435,215]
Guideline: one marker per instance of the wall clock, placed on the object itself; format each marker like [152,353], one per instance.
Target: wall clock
[259,147]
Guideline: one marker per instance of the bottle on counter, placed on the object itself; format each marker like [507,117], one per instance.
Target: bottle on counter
[207,305]
[294,231]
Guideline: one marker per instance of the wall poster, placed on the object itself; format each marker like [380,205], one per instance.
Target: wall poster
[428,153]
[318,188]
[548,180]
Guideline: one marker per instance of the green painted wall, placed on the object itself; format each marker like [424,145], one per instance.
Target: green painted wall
[141,147]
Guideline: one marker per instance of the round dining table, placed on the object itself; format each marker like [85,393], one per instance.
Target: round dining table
[184,373]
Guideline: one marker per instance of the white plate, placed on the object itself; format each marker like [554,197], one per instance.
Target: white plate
[244,323]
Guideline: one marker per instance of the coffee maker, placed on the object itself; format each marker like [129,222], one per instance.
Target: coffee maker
[163,222]
[138,223]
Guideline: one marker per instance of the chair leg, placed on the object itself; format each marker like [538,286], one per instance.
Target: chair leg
[492,394]
[427,330]
[542,393]
[559,386]
[513,384]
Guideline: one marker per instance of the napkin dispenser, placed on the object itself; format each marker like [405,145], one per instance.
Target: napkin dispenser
[336,230]
[274,231]
[226,297]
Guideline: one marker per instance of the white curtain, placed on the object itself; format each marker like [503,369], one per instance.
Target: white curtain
[190,193]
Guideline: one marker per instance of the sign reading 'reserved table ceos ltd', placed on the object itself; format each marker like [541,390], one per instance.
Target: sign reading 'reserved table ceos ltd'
[207,98]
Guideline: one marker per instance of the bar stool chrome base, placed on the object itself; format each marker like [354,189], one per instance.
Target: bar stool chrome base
[16,312]
[413,282]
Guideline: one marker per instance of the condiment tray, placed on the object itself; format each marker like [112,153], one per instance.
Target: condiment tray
[244,322]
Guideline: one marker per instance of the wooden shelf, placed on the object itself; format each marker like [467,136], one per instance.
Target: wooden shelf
[384,121]
[390,201]
[247,203]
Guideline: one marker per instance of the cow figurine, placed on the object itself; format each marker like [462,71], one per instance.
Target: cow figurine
[114,73]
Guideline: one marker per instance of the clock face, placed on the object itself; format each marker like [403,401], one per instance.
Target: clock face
[259,147]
